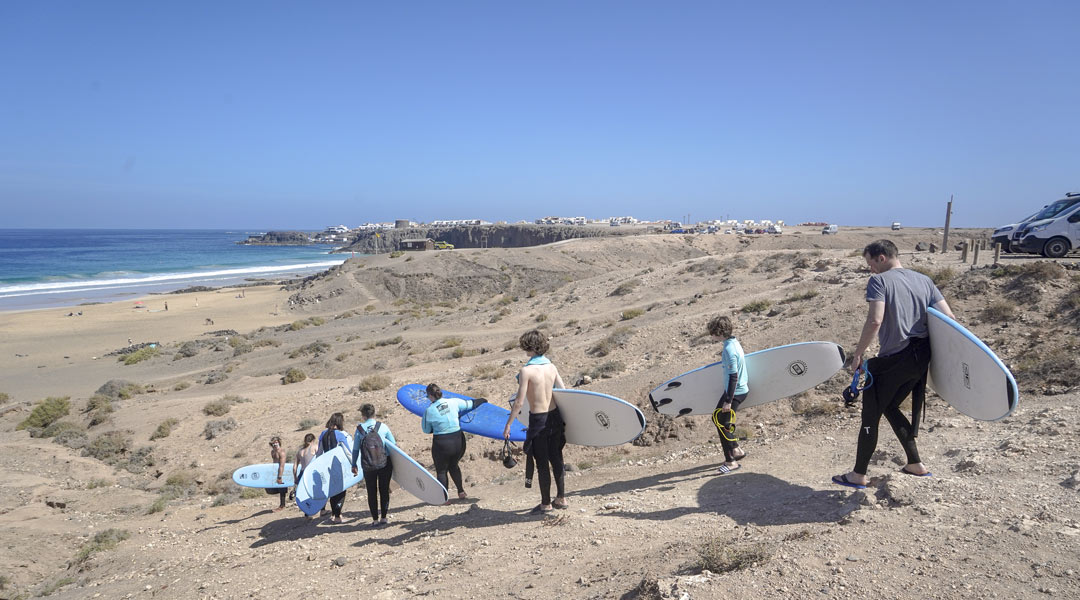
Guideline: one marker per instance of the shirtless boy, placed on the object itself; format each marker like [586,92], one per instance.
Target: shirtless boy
[546,435]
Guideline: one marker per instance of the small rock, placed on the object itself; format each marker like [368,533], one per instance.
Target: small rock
[340,561]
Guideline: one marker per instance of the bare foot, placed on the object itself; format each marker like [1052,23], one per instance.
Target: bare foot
[542,508]
[278,509]
[462,495]
[337,520]
[559,503]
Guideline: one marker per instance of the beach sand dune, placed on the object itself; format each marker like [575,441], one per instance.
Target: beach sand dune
[998,519]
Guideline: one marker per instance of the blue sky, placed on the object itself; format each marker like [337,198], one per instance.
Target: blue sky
[300,115]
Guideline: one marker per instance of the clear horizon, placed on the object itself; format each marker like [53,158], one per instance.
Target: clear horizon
[126,115]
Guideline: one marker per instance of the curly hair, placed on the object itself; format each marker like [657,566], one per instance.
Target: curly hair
[434,392]
[721,327]
[534,342]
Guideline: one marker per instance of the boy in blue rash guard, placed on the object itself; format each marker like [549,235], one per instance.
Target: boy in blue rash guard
[376,480]
[329,439]
[546,435]
[447,441]
[735,391]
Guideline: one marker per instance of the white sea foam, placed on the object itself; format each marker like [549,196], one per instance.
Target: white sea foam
[82,285]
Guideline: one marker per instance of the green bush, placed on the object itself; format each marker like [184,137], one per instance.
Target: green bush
[631,313]
[756,307]
[99,408]
[120,389]
[164,429]
[458,352]
[449,342]
[267,342]
[625,287]
[297,325]
[373,383]
[183,385]
[144,353]
[797,296]
[293,375]
[102,541]
[46,412]
[57,428]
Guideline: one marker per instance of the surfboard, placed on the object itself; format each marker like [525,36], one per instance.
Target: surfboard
[488,420]
[328,475]
[262,476]
[966,373]
[772,374]
[414,478]
[594,419]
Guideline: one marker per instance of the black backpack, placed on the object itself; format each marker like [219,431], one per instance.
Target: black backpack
[329,440]
[372,450]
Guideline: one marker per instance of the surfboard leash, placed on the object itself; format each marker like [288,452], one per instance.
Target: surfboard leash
[851,393]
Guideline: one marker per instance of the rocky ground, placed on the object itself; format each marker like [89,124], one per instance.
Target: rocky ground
[95,507]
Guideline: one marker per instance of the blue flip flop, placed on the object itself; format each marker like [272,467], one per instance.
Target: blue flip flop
[843,480]
[906,472]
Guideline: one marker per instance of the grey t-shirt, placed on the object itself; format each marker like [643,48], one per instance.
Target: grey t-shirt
[906,294]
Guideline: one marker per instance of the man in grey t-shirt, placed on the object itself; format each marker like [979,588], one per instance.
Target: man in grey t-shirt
[897,301]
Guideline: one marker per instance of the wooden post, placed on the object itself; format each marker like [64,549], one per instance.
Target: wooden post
[975,257]
[948,217]
[964,251]
[997,253]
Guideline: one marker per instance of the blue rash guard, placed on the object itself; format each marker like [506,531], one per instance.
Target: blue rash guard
[362,429]
[441,416]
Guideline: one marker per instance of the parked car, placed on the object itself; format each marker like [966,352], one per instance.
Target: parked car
[1054,231]
[775,229]
[829,229]
[896,226]
[444,246]
[1003,235]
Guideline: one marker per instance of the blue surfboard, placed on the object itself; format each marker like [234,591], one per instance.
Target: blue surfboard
[966,373]
[328,475]
[488,420]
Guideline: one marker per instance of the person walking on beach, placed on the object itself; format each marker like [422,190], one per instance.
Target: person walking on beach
[441,419]
[277,454]
[370,454]
[735,390]
[304,456]
[328,440]
[898,299]
[546,435]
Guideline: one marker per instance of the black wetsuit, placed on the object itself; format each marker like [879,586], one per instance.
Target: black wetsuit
[446,451]
[895,376]
[379,481]
[545,440]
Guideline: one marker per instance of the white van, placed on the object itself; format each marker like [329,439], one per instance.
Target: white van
[1055,230]
[829,229]
[896,226]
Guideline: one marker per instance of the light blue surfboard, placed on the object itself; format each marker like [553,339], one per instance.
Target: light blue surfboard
[414,478]
[262,476]
[966,373]
[488,420]
[772,374]
[328,475]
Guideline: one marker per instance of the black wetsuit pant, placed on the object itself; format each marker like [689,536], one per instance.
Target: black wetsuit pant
[337,502]
[281,491]
[545,440]
[378,488]
[446,451]
[721,420]
[895,377]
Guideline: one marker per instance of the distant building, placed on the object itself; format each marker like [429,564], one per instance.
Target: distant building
[417,244]
[459,222]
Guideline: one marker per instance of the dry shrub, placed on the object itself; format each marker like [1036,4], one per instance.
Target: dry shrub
[164,429]
[806,294]
[998,311]
[46,412]
[609,344]
[773,263]
[756,307]
[939,276]
[631,313]
[120,389]
[373,383]
[721,555]
[215,428]
[708,267]
[293,375]
[736,263]
[486,372]
[606,370]
[449,342]
[216,408]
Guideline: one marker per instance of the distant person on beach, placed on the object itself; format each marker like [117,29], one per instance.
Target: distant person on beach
[370,454]
[735,390]
[277,454]
[166,307]
[304,456]
[328,440]
[546,435]
[897,301]
[447,440]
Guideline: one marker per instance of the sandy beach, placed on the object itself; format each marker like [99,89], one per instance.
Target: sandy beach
[647,520]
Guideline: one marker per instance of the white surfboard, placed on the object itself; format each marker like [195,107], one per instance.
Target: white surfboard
[414,478]
[263,475]
[328,475]
[772,374]
[966,373]
[594,419]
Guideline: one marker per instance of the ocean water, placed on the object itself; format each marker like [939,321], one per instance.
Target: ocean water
[41,268]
